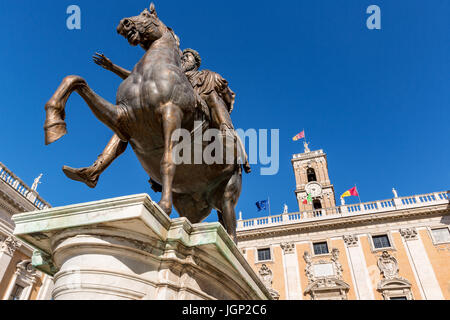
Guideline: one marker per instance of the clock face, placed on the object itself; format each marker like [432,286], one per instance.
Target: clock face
[314,189]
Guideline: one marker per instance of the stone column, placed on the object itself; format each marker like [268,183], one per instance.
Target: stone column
[422,265]
[129,249]
[7,249]
[46,288]
[11,286]
[291,272]
[29,289]
[364,289]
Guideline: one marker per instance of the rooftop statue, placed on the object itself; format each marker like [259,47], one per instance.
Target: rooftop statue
[164,92]
[306,145]
[36,182]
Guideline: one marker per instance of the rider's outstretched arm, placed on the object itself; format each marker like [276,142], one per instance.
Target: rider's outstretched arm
[103,61]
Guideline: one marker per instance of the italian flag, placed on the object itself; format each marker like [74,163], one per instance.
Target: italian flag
[308,200]
[353,192]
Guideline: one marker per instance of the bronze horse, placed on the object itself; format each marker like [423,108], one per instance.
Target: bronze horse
[153,102]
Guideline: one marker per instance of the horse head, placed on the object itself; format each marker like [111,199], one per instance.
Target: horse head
[143,29]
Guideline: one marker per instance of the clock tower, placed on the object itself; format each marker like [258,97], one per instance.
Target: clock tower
[311,177]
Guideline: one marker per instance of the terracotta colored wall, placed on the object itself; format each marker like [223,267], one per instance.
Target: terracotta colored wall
[251,259]
[278,273]
[301,248]
[439,256]
[37,286]
[405,268]
[339,244]
[276,266]
[371,263]
[343,259]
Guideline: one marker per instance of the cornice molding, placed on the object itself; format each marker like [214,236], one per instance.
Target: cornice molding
[19,203]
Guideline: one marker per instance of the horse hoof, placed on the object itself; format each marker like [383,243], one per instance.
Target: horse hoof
[166,207]
[81,175]
[55,126]
[54,132]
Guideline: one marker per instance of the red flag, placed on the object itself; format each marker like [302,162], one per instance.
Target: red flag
[308,199]
[301,135]
[354,192]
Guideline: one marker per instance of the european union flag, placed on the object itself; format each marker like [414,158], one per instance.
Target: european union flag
[262,205]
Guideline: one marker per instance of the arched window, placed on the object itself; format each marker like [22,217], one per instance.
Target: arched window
[317,208]
[317,205]
[311,173]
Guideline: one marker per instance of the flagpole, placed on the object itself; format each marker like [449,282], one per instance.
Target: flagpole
[270,212]
[358,194]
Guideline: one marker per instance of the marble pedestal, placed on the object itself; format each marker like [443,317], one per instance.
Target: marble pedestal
[128,248]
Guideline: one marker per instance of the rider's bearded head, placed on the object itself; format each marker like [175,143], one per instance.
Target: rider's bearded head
[190,61]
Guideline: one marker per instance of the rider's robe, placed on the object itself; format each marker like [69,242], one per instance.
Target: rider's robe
[206,81]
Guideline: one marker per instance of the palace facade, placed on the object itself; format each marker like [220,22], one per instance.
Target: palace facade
[392,249]
[18,279]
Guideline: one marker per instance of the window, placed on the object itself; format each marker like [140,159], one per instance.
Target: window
[264,254]
[398,298]
[320,248]
[441,235]
[311,173]
[381,241]
[317,205]
[16,293]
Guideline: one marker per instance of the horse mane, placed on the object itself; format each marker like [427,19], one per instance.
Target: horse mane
[177,39]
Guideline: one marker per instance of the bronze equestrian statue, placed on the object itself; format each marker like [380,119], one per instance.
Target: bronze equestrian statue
[153,102]
[210,86]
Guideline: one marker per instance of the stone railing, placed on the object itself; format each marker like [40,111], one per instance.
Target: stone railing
[307,155]
[380,206]
[21,187]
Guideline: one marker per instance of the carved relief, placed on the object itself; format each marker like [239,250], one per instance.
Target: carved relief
[409,233]
[288,248]
[351,240]
[308,270]
[266,277]
[337,265]
[392,285]
[388,265]
[325,278]
[26,273]
[10,245]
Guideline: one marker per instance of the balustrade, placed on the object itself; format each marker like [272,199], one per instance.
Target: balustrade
[21,188]
[349,210]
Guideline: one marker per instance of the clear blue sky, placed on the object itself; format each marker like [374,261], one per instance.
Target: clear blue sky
[376,101]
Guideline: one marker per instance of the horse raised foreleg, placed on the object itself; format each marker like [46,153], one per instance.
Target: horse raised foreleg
[171,117]
[55,126]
